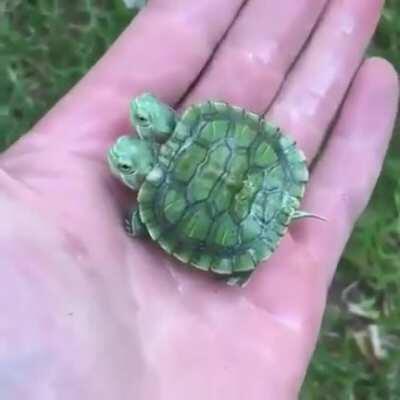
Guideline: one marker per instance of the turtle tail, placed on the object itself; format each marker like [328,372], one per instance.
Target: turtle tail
[304,214]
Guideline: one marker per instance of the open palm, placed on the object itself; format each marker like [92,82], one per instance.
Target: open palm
[87,312]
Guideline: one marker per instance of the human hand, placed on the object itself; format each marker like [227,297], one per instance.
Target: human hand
[87,312]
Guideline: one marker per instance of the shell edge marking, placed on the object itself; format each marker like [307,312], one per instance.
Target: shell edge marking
[155,175]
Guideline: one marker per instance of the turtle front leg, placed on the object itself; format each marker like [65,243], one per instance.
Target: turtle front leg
[134,225]
[239,279]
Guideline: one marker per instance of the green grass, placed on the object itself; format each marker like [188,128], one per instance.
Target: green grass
[47,45]
[347,364]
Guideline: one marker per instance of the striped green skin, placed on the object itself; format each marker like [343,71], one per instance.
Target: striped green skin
[224,190]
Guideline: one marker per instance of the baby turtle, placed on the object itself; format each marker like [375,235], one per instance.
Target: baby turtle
[217,186]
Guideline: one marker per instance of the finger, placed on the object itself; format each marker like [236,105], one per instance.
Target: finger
[251,63]
[344,178]
[293,284]
[162,51]
[315,88]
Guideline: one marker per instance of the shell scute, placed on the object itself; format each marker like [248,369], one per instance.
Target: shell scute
[224,232]
[249,230]
[220,107]
[202,261]
[213,131]
[243,134]
[200,189]
[260,251]
[174,205]
[186,165]
[239,166]
[274,178]
[265,155]
[146,196]
[167,242]
[195,225]
[184,254]
[273,235]
[245,262]
[190,119]
[181,133]
[208,174]
[222,266]
[301,174]
[154,230]
[222,199]
[273,199]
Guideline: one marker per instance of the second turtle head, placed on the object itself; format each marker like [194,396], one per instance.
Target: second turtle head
[131,159]
[153,119]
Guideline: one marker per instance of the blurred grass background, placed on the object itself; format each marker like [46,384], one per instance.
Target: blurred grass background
[47,45]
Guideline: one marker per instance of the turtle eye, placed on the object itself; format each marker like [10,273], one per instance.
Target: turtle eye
[124,167]
[142,119]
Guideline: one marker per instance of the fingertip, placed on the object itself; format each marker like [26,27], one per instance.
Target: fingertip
[384,71]
[345,175]
[385,86]
[372,100]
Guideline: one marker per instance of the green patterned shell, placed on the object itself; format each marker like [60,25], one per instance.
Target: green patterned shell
[224,189]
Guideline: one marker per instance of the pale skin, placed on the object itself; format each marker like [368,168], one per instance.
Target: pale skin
[88,313]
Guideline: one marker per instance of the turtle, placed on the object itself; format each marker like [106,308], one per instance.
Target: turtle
[217,185]
[138,4]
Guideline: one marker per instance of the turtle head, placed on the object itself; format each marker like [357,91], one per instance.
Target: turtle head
[131,159]
[152,119]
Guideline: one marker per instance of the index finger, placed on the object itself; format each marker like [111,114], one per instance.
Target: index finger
[163,51]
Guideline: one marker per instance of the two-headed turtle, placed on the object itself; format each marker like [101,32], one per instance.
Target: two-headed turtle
[217,186]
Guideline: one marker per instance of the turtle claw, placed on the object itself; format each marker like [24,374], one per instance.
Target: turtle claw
[133,225]
[128,226]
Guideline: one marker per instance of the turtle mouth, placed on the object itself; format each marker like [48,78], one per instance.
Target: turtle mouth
[112,162]
[127,179]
